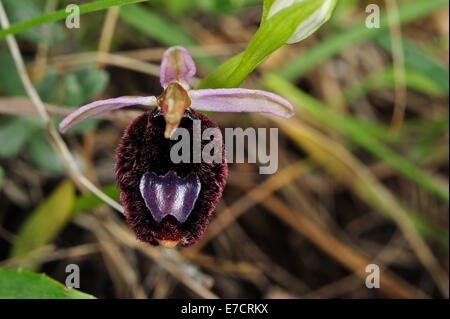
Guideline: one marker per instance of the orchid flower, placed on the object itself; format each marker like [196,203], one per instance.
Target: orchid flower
[167,203]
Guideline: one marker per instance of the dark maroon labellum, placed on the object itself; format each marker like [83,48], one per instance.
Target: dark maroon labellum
[166,202]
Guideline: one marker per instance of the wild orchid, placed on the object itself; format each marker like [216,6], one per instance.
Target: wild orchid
[171,203]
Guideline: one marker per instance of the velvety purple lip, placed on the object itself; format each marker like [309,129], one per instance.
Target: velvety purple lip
[169,194]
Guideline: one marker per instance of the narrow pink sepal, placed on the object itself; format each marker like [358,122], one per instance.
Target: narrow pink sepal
[102,106]
[176,65]
[240,100]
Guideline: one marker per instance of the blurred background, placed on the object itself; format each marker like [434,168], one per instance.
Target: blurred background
[363,166]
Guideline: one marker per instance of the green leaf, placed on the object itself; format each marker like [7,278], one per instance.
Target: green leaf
[336,42]
[270,36]
[218,78]
[42,153]
[19,284]
[159,28]
[14,132]
[62,14]
[42,226]
[266,8]
[355,133]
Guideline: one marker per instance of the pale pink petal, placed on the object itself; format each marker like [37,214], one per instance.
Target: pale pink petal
[176,65]
[240,100]
[102,106]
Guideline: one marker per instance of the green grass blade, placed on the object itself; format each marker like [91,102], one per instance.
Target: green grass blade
[385,77]
[62,14]
[416,59]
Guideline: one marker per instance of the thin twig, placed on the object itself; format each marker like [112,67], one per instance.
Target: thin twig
[54,138]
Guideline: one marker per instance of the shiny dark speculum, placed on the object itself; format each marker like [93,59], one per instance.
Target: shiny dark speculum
[144,149]
[170,194]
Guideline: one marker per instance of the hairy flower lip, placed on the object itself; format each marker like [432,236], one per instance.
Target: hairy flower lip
[143,147]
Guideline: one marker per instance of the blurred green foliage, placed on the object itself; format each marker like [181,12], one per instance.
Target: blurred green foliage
[162,30]
[72,89]
[19,11]
[418,60]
